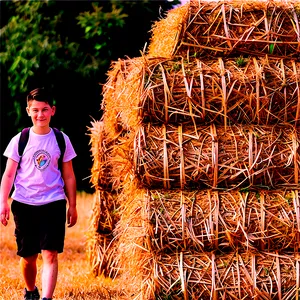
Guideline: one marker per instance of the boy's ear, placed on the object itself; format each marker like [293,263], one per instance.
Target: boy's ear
[53,110]
[28,110]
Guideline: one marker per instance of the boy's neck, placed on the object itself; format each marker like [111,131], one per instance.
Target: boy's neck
[41,130]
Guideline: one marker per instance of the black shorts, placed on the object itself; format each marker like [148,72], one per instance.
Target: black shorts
[39,227]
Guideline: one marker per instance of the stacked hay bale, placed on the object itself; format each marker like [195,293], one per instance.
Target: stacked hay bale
[197,157]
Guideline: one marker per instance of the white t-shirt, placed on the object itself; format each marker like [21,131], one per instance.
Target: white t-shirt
[38,180]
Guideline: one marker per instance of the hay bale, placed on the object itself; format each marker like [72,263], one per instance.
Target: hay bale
[221,91]
[249,275]
[206,220]
[229,28]
[188,157]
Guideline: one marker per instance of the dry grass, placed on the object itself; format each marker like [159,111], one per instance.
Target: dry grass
[75,280]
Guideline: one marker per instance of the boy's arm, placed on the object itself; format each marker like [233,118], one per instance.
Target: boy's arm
[7,182]
[70,189]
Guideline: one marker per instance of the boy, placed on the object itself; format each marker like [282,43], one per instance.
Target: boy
[42,190]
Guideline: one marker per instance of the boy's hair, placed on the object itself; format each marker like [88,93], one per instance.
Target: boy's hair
[40,94]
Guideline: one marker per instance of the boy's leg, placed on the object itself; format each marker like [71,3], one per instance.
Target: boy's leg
[27,222]
[52,242]
[50,271]
[29,271]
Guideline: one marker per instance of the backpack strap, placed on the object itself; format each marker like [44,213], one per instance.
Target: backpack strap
[60,141]
[23,142]
[61,144]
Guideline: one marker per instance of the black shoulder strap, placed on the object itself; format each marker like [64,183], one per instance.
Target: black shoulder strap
[60,141]
[61,144]
[23,142]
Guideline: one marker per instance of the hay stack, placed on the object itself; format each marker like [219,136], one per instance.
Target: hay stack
[197,157]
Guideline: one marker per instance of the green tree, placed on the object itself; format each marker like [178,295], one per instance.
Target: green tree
[98,27]
[30,41]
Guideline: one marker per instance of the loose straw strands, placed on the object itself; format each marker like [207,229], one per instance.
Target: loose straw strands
[222,91]
[121,95]
[101,255]
[196,157]
[100,237]
[100,148]
[134,255]
[206,220]
[166,32]
[112,155]
[249,275]
[229,28]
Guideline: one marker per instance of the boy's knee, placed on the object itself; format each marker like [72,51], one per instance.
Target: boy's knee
[29,259]
[49,256]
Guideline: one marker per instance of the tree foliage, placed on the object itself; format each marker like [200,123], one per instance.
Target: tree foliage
[21,56]
[98,26]
[32,38]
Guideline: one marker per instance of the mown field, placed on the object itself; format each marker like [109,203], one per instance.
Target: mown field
[75,280]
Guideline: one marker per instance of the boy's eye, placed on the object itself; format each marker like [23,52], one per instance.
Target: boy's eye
[36,110]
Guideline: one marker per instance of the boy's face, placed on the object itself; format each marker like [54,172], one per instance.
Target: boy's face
[40,113]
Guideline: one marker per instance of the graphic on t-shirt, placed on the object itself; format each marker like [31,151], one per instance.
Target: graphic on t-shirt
[41,159]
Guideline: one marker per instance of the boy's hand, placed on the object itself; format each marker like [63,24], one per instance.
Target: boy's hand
[71,216]
[4,213]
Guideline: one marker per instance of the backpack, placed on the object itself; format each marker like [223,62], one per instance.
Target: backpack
[59,137]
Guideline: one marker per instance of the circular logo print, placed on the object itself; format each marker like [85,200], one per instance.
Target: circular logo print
[41,159]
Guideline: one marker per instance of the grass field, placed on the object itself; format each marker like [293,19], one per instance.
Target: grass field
[75,280]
